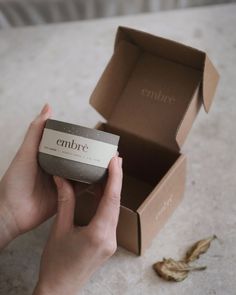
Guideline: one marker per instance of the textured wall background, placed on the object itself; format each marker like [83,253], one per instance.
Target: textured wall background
[34,12]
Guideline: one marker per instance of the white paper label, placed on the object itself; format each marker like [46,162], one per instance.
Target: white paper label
[77,148]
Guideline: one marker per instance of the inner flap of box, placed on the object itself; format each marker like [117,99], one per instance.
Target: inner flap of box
[145,94]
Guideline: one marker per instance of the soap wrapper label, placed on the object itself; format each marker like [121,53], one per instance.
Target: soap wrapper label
[77,148]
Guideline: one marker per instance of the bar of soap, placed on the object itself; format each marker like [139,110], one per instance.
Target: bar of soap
[76,152]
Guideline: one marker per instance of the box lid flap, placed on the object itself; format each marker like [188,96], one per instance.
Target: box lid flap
[131,69]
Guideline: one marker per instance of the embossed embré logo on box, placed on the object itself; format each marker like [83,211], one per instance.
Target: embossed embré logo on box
[164,207]
[72,145]
[158,96]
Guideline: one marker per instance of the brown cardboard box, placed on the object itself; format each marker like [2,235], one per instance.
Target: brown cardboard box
[150,94]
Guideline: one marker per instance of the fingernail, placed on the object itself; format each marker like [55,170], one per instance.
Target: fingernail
[44,109]
[58,180]
[117,153]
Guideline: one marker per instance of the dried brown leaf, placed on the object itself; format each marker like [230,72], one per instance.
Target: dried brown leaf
[198,249]
[172,270]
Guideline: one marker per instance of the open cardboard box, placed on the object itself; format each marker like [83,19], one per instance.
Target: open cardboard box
[150,94]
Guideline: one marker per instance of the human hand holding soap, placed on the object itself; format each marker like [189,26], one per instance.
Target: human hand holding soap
[76,152]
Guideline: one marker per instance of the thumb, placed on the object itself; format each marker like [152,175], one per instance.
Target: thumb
[33,135]
[66,205]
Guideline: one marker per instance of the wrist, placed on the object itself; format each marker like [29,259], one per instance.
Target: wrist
[42,289]
[8,227]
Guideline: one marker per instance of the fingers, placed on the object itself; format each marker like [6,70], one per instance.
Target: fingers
[109,206]
[33,136]
[66,205]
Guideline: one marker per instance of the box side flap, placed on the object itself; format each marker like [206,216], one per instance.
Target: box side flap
[160,204]
[128,230]
[203,94]
[210,81]
[113,80]
[189,117]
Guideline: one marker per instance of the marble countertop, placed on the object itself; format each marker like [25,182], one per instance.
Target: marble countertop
[61,64]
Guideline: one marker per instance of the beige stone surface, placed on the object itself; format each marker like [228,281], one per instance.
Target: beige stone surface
[61,64]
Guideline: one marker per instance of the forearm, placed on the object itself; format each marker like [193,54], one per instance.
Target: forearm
[5,233]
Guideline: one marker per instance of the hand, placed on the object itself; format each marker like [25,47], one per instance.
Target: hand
[73,253]
[27,194]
